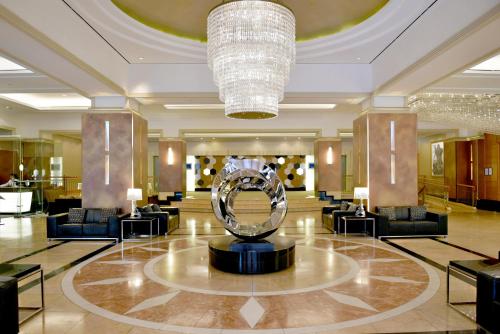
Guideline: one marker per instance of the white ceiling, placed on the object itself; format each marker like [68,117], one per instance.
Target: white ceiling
[92,48]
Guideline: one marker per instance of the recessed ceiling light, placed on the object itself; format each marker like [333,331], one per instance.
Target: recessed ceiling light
[257,138]
[141,58]
[7,107]
[359,58]
[49,101]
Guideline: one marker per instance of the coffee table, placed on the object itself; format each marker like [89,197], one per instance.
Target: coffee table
[466,271]
[22,272]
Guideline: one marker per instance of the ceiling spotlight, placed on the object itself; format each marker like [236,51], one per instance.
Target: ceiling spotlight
[141,58]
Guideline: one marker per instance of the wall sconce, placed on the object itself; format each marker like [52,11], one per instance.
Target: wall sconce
[329,156]
[170,156]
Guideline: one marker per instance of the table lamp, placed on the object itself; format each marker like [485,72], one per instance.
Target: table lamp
[134,195]
[361,193]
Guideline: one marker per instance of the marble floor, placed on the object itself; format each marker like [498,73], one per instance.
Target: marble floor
[338,285]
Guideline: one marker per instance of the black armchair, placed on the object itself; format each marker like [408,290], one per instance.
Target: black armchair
[9,314]
[168,218]
[488,299]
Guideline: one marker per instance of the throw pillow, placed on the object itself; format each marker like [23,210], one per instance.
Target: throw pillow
[387,211]
[343,206]
[352,208]
[106,213]
[156,208]
[402,213]
[418,212]
[76,215]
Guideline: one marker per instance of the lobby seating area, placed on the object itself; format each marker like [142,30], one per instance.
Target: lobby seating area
[250,167]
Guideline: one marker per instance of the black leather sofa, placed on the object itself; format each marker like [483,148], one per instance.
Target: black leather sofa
[169,221]
[488,299]
[86,224]
[9,314]
[402,224]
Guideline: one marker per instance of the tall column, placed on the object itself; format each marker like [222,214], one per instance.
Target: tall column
[327,171]
[114,155]
[172,154]
[385,153]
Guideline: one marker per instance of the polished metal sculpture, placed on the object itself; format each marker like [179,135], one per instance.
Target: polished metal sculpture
[243,174]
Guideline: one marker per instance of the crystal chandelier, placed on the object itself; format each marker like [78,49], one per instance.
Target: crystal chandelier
[251,48]
[479,112]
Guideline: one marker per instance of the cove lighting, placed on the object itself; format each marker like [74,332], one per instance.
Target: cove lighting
[7,65]
[49,101]
[288,106]
[202,135]
[492,64]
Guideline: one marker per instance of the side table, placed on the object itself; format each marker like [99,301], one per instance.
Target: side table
[364,219]
[143,220]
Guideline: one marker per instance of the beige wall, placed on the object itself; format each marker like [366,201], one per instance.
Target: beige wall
[70,149]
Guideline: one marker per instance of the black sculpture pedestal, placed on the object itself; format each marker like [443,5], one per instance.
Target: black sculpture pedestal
[262,256]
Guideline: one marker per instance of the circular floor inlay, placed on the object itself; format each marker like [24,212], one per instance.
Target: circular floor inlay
[170,285]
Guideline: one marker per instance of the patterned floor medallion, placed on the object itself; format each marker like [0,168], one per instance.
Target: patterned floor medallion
[169,285]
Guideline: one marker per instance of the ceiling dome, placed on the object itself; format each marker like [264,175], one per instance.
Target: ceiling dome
[188,18]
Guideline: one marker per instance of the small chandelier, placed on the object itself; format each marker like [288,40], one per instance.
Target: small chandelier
[474,111]
[251,48]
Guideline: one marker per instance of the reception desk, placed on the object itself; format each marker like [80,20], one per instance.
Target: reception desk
[15,200]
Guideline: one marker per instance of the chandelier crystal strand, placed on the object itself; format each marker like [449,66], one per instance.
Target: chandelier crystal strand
[251,49]
[479,112]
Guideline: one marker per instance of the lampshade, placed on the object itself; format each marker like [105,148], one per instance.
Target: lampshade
[134,194]
[361,192]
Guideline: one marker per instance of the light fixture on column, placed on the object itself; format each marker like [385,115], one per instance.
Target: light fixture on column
[361,193]
[329,156]
[21,168]
[170,156]
[134,195]
[251,48]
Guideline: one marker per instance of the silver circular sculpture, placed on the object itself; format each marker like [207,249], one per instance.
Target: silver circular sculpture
[239,175]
